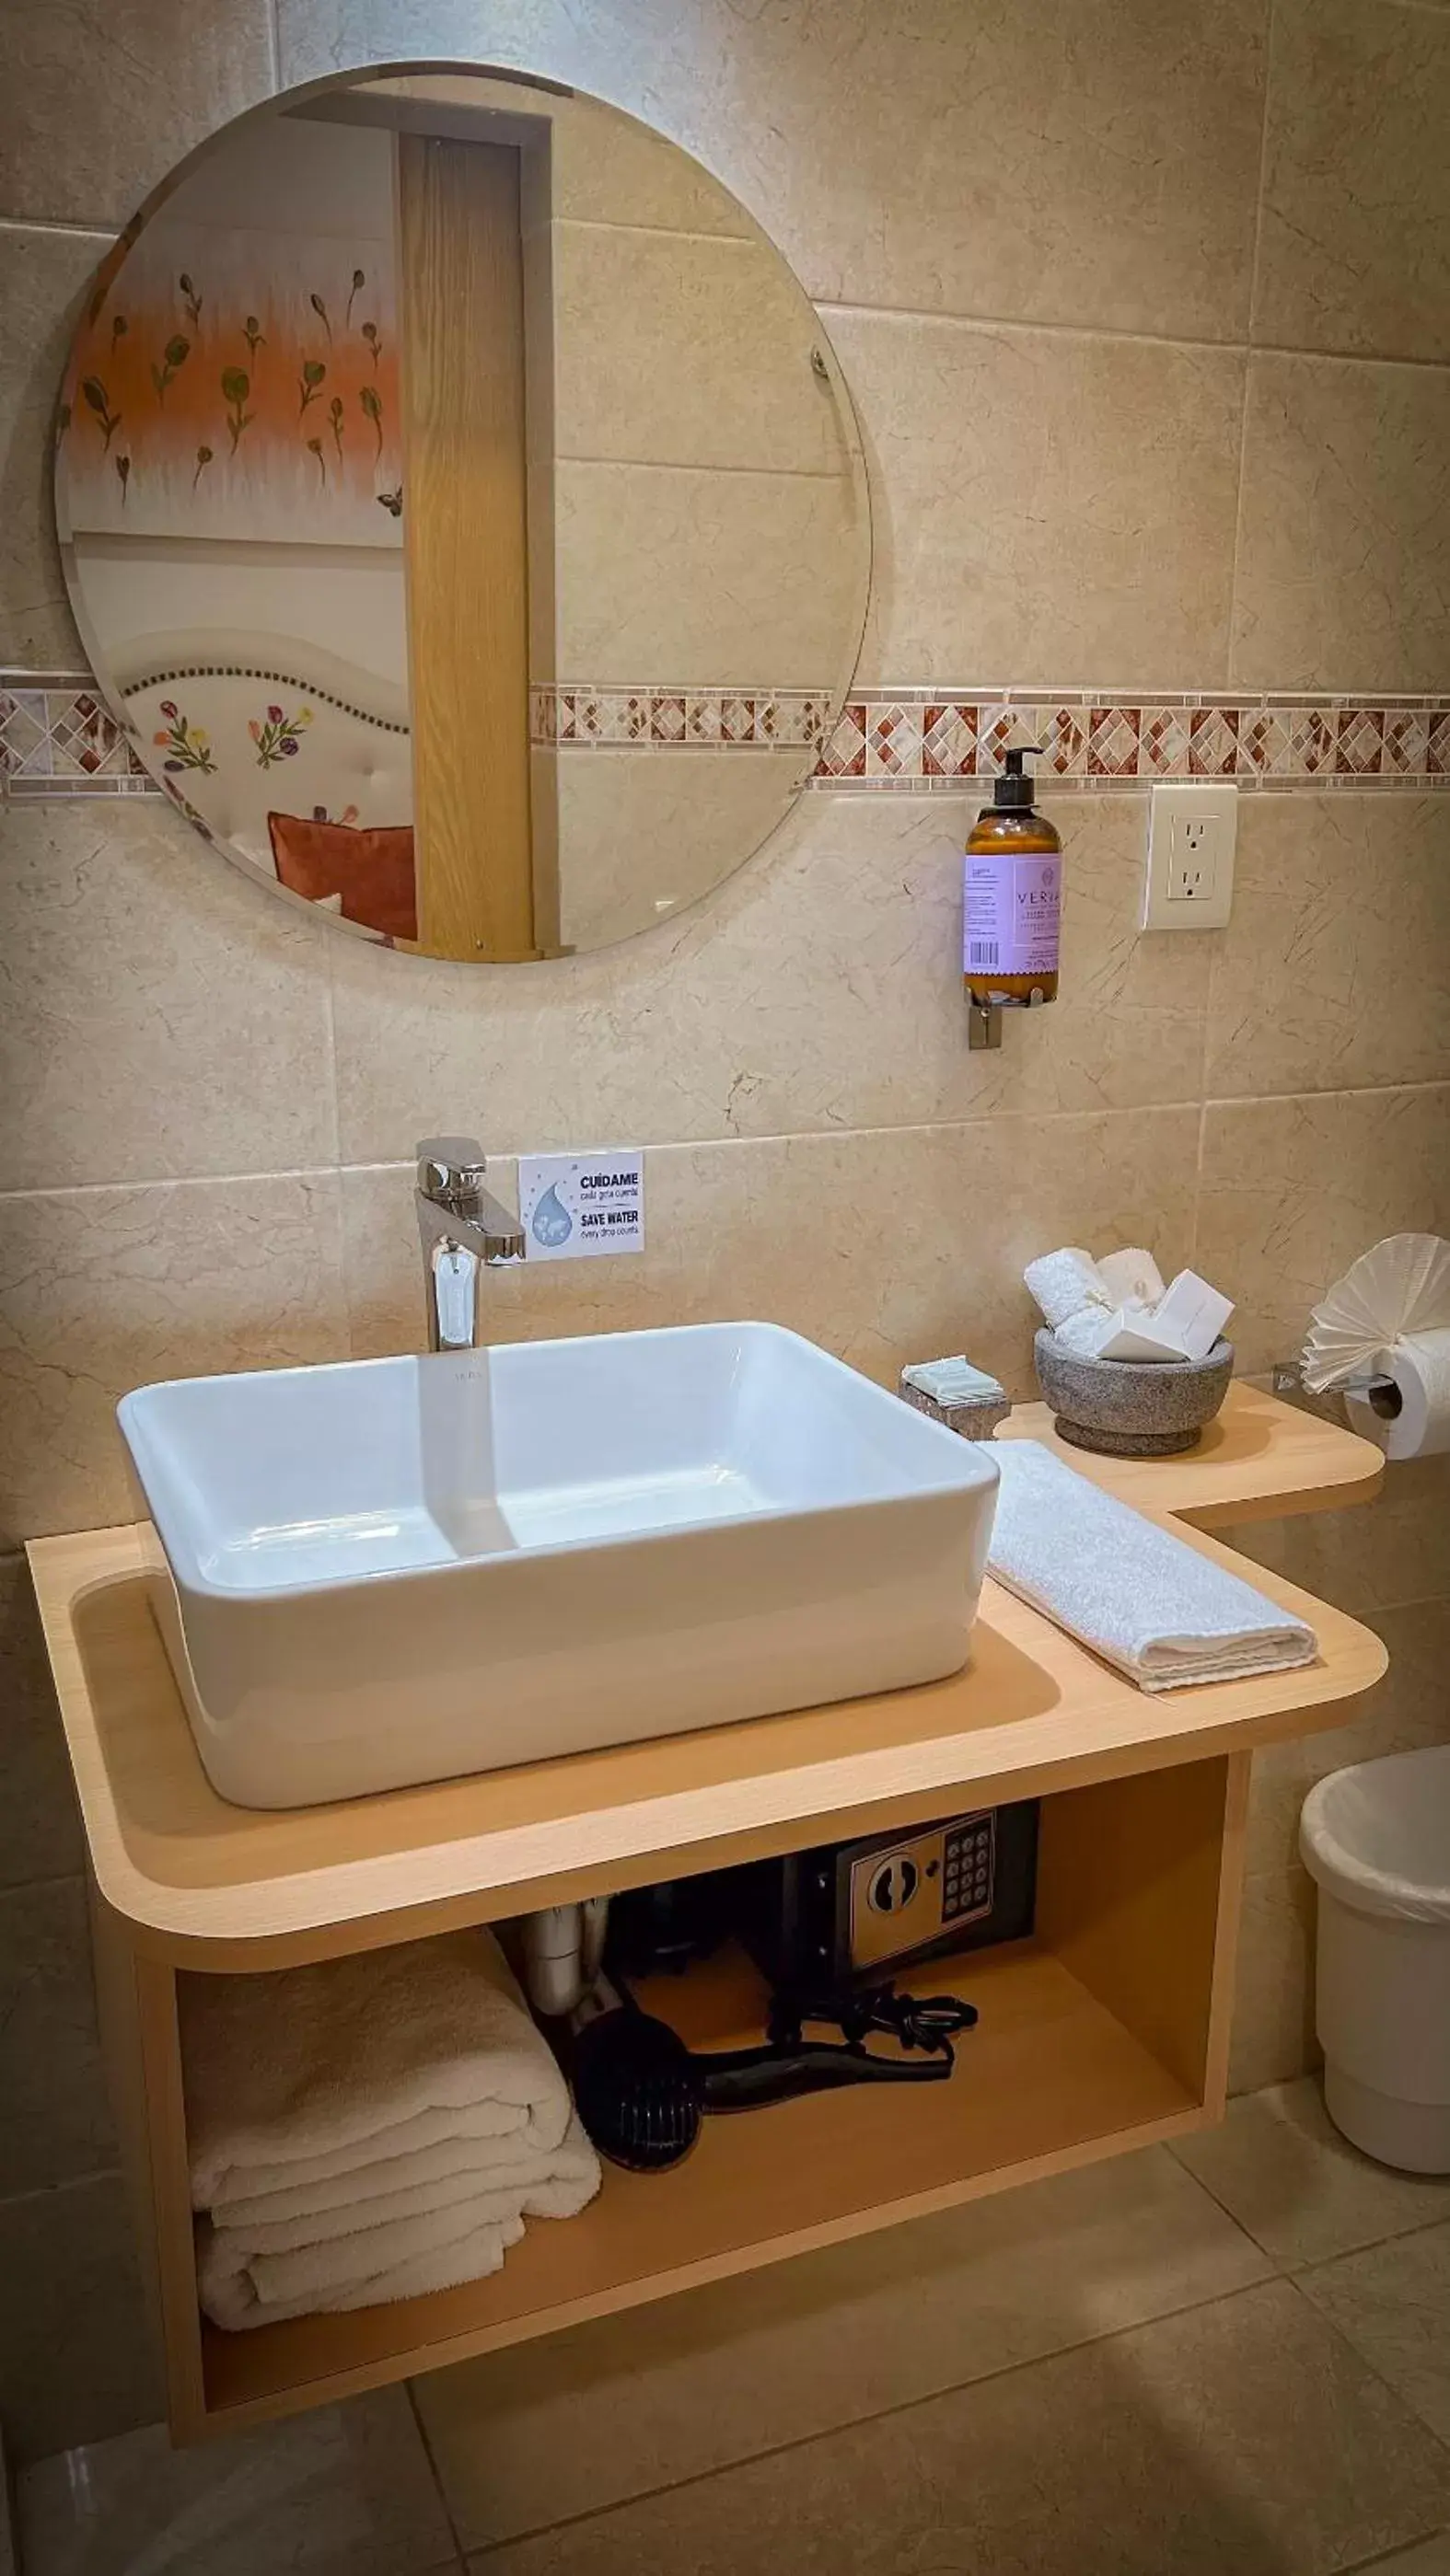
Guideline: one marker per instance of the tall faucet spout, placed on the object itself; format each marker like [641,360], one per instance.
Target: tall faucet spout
[463,1230]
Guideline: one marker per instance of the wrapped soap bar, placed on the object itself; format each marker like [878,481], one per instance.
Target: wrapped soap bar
[966,1399]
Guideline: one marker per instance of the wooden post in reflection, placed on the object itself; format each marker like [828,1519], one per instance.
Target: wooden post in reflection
[465,522]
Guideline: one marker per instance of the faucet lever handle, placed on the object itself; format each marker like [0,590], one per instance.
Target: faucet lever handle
[450,1170]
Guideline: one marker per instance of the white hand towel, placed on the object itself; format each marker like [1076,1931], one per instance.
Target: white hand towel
[470,2162]
[298,2076]
[1137,1595]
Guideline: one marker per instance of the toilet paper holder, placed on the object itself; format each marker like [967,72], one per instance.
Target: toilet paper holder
[1286,1378]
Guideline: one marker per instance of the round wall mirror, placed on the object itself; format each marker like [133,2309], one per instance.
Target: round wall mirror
[464,511]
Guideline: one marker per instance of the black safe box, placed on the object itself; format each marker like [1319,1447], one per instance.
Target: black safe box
[858,1911]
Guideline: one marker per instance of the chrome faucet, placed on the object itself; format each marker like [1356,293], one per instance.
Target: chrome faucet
[463,1229]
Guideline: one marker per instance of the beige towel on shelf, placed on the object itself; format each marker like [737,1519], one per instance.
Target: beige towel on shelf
[301,2077]
[429,2238]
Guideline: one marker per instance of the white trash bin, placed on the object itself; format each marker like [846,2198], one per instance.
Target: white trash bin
[1377,1840]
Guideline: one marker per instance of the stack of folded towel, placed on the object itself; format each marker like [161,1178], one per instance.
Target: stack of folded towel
[370,2128]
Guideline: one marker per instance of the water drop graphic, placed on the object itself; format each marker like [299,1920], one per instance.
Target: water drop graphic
[551,1223]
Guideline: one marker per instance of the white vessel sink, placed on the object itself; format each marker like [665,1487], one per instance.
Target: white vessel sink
[398,1570]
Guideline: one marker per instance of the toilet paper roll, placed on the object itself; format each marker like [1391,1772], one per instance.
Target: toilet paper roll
[1410,1418]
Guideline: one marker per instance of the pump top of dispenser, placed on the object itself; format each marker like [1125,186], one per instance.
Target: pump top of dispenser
[1012,791]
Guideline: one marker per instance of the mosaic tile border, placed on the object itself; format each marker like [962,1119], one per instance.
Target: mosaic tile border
[58,739]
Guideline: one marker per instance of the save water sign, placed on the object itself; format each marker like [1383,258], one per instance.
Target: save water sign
[573,1205]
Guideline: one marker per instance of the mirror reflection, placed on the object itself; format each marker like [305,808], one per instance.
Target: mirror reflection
[465,513]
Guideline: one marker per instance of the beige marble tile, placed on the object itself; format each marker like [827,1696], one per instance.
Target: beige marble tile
[98,103]
[581,2421]
[40,1833]
[643,835]
[1393,2304]
[1045,503]
[1293,1190]
[1245,2435]
[163,1018]
[1344,541]
[884,1247]
[689,349]
[342,2492]
[901,157]
[103,1290]
[42,280]
[1354,251]
[1335,968]
[1406,1710]
[710,578]
[820,988]
[76,2362]
[1376,1556]
[55,2124]
[1424,2558]
[1273,2018]
[612,169]
[1280,2167]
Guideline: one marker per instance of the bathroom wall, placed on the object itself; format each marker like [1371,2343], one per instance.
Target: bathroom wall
[1145,309]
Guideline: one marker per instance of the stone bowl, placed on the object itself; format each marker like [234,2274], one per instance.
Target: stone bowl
[1132,1408]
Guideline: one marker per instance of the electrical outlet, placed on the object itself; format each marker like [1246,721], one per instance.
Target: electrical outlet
[1191,835]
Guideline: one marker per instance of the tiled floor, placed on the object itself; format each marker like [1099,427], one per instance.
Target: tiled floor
[1234,2356]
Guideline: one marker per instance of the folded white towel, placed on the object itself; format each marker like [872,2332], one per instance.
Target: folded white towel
[1137,1595]
[253,2276]
[229,2296]
[308,2074]
[414,2183]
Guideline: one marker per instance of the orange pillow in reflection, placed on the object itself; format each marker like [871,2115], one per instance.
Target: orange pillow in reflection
[371,870]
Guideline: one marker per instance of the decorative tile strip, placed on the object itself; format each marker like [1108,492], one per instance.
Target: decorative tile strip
[58,739]
[925,739]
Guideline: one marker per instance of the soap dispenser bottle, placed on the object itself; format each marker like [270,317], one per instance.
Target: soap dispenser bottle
[1013,896]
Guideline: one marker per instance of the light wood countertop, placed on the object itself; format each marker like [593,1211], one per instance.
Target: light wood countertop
[210,1885]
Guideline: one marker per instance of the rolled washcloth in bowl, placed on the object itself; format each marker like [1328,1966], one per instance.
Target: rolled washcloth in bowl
[1064,1282]
[1141,1598]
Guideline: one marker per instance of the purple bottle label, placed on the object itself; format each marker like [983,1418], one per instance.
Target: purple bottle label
[1012,910]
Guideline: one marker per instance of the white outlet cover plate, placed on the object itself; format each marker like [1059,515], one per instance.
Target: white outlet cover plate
[1205,817]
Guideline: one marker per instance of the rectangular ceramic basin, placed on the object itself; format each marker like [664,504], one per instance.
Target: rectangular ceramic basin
[398,1570]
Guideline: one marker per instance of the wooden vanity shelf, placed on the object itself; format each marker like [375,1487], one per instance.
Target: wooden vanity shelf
[1108,2029]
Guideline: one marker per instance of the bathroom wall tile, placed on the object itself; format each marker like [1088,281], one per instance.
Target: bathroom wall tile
[1046,503]
[40,1835]
[1293,1190]
[682,574]
[819,989]
[608,171]
[672,349]
[1344,546]
[42,281]
[641,830]
[101,1290]
[1273,2019]
[55,2125]
[1335,968]
[1393,2304]
[885,1247]
[164,1018]
[1406,1710]
[1355,246]
[1375,1556]
[1280,2167]
[578,2422]
[97,105]
[1170,2446]
[76,2361]
[882,183]
[345,2491]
